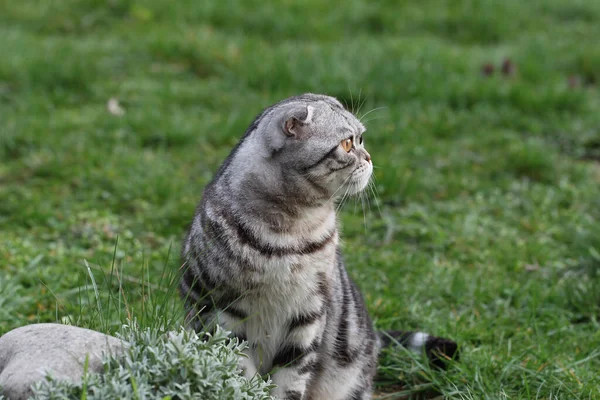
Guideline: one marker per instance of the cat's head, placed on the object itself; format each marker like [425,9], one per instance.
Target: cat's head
[313,137]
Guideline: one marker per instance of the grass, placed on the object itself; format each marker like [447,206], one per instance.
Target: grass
[487,229]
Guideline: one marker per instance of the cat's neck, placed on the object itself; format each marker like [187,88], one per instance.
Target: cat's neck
[264,197]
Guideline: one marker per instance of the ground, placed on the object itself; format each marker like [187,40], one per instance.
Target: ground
[483,126]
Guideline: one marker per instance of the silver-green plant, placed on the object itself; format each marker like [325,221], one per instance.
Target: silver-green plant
[177,365]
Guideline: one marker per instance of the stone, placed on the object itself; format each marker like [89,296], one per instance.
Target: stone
[29,353]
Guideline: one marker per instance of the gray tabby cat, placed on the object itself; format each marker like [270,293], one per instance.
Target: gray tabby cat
[262,256]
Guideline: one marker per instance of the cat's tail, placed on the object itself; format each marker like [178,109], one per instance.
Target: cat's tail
[438,350]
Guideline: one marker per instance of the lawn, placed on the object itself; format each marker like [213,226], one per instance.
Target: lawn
[483,124]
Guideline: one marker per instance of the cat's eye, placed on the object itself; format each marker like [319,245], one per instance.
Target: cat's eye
[360,139]
[346,144]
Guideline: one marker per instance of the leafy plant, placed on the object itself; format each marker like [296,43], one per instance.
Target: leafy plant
[176,365]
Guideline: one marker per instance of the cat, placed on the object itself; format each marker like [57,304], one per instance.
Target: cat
[262,256]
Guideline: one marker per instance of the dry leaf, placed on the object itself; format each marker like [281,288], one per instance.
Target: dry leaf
[114,107]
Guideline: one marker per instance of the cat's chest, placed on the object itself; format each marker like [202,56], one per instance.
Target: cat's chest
[288,275]
[271,310]
[294,260]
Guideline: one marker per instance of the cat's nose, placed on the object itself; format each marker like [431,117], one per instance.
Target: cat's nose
[367,157]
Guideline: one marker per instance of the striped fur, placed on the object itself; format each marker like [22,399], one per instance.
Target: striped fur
[262,254]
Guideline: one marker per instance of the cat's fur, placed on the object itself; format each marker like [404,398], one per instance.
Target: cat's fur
[262,255]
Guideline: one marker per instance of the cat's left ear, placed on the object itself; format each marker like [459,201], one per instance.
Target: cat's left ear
[296,120]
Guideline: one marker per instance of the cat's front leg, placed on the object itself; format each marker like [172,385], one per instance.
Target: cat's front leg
[248,365]
[298,357]
[233,320]
[292,377]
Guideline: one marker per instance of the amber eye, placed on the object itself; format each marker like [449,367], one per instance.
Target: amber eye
[347,144]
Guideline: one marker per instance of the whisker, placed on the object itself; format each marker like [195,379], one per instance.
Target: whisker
[369,112]
[346,196]
[374,190]
[361,104]
[341,203]
[367,196]
[371,119]
[341,185]
[362,202]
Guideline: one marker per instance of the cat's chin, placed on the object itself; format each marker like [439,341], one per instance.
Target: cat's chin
[355,188]
[359,181]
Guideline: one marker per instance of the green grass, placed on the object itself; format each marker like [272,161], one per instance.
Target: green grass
[487,229]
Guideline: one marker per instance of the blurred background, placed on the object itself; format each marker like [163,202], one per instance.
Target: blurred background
[483,124]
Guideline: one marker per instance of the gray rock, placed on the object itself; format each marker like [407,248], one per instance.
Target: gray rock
[29,353]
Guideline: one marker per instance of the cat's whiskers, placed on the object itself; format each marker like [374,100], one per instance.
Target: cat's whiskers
[369,112]
[341,203]
[373,189]
[361,103]
[362,202]
[372,192]
[367,201]
[370,188]
[372,119]
[366,195]
[338,189]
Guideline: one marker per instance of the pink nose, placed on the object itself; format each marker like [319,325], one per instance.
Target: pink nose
[368,157]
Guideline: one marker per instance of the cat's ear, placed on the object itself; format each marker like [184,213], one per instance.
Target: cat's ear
[291,123]
[296,120]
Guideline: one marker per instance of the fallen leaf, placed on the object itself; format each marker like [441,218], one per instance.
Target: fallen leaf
[114,107]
